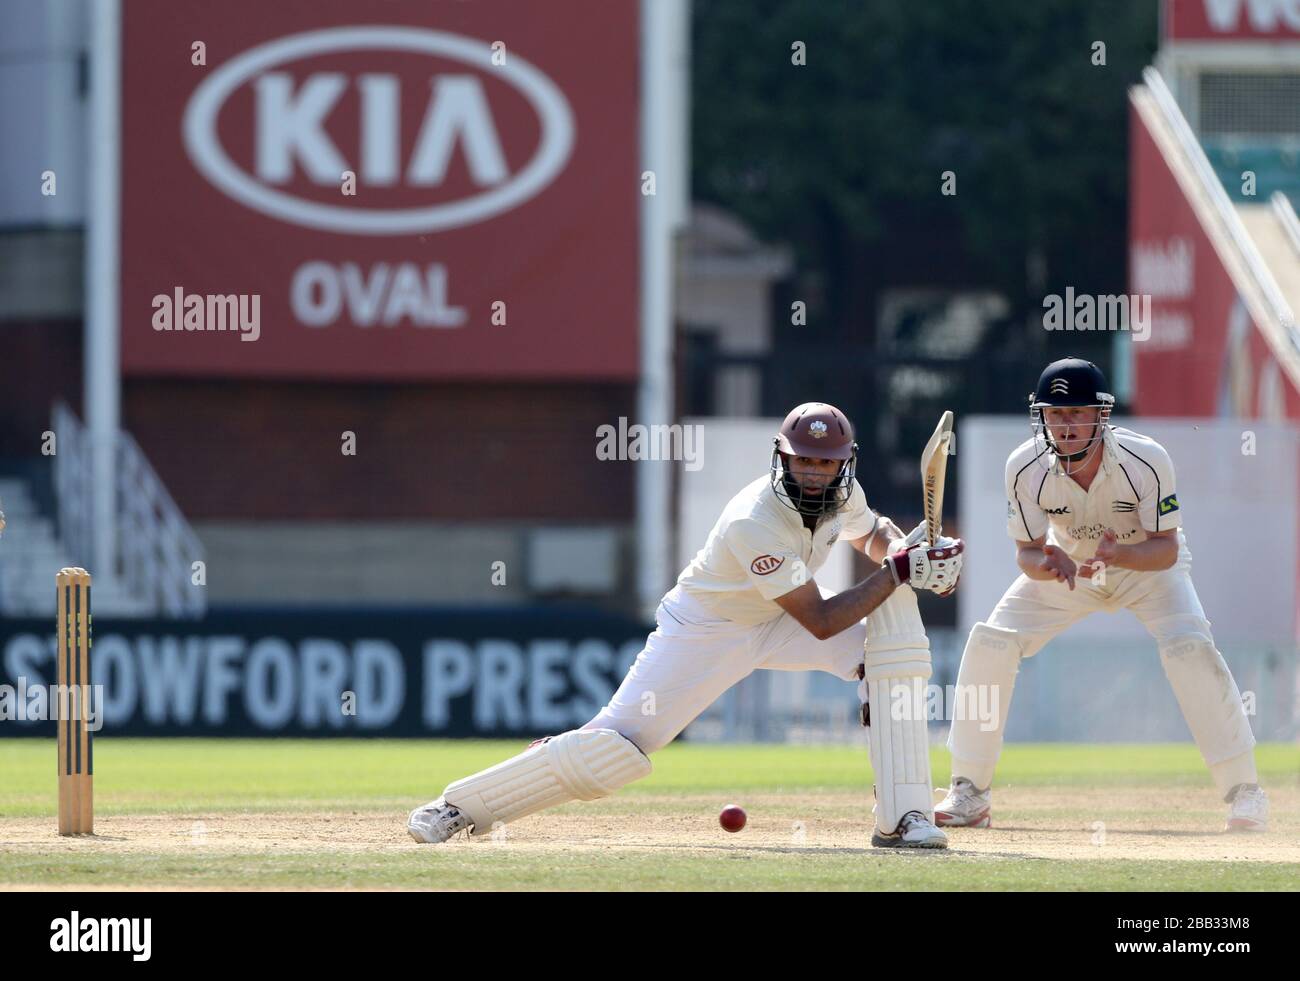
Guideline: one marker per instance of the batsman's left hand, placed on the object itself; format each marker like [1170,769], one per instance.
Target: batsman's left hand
[925,566]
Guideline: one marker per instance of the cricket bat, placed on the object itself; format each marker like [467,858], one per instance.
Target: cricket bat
[934,468]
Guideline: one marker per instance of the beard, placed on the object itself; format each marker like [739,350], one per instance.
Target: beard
[794,487]
[810,502]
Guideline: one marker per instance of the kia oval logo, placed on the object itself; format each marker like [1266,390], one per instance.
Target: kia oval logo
[765,565]
[289,123]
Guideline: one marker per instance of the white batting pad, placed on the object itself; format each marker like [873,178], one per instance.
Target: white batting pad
[897,665]
[989,666]
[1209,698]
[583,764]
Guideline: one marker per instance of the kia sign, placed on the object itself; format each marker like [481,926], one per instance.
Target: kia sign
[293,123]
[452,193]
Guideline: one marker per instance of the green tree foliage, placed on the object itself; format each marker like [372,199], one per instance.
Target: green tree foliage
[893,94]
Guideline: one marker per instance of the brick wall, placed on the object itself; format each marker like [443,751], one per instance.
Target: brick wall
[271,450]
[39,362]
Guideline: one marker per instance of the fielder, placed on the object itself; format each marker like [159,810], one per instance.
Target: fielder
[1095,517]
[748,601]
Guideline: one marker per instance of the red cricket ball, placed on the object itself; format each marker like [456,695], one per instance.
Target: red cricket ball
[732,817]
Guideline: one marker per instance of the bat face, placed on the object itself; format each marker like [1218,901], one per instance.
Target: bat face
[934,468]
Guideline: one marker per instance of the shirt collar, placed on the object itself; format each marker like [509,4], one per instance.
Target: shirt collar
[1109,454]
[793,518]
[789,515]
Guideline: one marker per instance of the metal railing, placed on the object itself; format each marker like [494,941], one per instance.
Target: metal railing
[155,546]
[1284,210]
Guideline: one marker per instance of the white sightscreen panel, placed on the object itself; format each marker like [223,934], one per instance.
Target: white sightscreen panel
[1239,515]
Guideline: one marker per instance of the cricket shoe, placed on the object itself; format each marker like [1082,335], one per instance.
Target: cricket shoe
[1247,808]
[964,806]
[914,831]
[435,822]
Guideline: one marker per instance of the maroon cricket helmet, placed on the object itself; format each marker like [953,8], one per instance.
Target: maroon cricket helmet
[820,431]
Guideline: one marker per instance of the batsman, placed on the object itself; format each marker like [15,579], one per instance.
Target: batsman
[748,601]
[1097,526]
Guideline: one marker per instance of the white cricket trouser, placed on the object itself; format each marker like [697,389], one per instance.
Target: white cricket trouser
[692,657]
[1034,611]
[1165,602]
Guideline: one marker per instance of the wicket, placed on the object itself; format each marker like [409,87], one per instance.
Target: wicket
[76,745]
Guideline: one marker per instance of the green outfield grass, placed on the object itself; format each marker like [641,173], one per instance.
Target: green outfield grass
[488,870]
[359,791]
[181,775]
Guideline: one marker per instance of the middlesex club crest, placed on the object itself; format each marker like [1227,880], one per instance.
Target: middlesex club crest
[765,565]
[817,429]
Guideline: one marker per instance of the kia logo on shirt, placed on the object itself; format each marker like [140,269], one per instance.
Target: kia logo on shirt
[765,565]
[410,112]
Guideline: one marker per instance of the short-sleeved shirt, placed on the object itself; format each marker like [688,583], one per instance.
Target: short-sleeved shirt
[759,549]
[1133,494]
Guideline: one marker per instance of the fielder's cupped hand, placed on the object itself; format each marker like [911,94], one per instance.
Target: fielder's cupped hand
[1107,548]
[1061,565]
[1105,556]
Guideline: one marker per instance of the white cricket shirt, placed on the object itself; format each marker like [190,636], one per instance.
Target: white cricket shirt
[1133,493]
[759,549]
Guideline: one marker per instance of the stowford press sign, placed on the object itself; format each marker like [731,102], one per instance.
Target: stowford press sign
[515,672]
[389,190]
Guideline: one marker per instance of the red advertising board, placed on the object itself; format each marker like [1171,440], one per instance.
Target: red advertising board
[1231,20]
[1178,369]
[409,190]
[1205,356]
